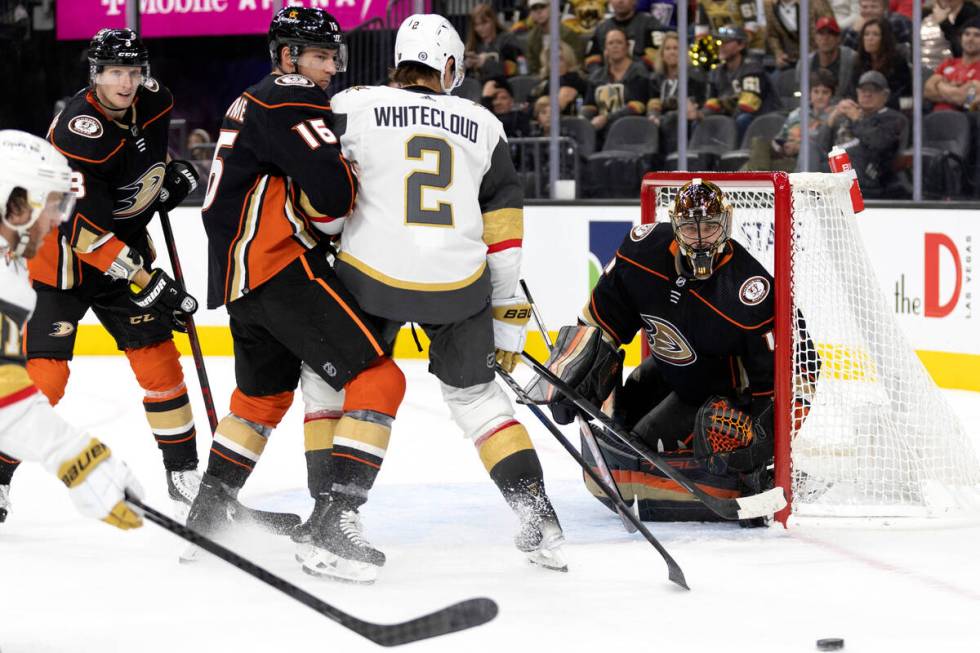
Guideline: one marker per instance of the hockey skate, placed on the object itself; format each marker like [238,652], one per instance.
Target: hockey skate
[541,537]
[337,548]
[4,502]
[183,486]
[216,512]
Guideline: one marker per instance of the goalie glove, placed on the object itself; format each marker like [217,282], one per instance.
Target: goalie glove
[97,484]
[510,317]
[164,298]
[179,180]
[726,437]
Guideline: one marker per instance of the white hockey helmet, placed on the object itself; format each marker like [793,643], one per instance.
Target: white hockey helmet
[34,165]
[431,40]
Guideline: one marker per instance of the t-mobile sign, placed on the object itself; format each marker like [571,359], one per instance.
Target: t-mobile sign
[81,19]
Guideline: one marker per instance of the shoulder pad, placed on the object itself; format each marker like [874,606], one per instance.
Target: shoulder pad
[281,89]
[82,133]
[154,99]
[644,239]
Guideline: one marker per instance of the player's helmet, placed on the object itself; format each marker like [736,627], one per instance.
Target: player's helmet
[117,47]
[302,27]
[33,165]
[430,40]
[702,224]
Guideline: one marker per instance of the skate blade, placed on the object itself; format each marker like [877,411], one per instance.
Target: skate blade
[304,551]
[190,555]
[548,559]
[324,564]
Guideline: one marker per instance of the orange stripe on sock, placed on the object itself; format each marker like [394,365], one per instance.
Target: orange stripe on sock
[189,437]
[360,460]
[233,462]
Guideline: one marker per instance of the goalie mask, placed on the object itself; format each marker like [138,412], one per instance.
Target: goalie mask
[430,40]
[702,223]
[34,177]
[117,47]
[304,27]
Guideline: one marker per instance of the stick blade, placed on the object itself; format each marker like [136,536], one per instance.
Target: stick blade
[459,616]
[763,504]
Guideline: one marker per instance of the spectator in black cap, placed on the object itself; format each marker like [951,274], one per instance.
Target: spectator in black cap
[870,132]
[877,50]
[498,97]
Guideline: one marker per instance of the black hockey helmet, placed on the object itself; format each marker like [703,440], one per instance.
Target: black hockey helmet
[702,223]
[117,47]
[300,27]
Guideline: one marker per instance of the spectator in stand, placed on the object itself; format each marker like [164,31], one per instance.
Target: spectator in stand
[541,116]
[871,9]
[498,97]
[782,28]
[538,36]
[738,87]
[954,85]
[782,152]
[845,11]
[958,12]
[877,51]
[935,47]
[572,86]
[714,14]
[903,7]
[195,140]
[639,29]
[870,132]
[839,60]
[490,50]
[618,88]
[664,83]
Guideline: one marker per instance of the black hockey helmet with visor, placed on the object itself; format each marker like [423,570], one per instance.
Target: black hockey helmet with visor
[117,47]
[702,223]
[303,27]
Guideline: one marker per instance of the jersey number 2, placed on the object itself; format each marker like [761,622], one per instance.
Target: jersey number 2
[418,180]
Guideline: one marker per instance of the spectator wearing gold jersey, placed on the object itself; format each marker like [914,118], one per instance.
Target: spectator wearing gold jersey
[738,87]
[643,35]
[619,88]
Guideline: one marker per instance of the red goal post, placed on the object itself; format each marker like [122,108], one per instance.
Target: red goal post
[873,437]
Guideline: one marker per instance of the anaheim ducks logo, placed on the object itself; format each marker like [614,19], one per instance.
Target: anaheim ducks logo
[667,342]
[144,192]
[61,329]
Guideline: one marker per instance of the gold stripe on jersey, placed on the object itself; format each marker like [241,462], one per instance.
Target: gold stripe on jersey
[307,208]
[503,224]
[87,240]
[67,257]
[381,277]
[299,226]
[248,231]
[13,378]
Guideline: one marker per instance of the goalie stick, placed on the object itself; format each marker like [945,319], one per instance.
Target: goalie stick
[674,572]
[763,504]
[583,424]
[459,616]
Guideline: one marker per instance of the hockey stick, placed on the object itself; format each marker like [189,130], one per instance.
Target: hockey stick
[674,572]
[763,504]
[583,424]
[459,616]
[202,373]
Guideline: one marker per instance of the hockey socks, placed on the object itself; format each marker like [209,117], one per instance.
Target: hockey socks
[359,445]
[237,446]
[318,432]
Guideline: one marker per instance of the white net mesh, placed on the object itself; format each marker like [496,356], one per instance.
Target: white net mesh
[878,439]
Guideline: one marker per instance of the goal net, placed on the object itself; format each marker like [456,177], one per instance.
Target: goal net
[871,436]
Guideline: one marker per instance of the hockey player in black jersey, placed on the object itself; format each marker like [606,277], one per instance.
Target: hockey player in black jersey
[279,187]
[704,396]
[114,135]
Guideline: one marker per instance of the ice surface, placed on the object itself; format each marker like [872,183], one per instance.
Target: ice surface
[69,584]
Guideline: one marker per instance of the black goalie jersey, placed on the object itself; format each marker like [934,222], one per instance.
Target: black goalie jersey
[708,337]
[277,170]
[118,169]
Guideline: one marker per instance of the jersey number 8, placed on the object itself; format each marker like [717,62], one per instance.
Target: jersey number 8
[418,180]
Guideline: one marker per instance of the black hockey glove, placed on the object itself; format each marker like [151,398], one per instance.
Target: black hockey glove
[179,181]
[164,298]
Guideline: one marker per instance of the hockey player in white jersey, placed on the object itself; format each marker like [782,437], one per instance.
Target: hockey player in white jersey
[35,196]
[435,239]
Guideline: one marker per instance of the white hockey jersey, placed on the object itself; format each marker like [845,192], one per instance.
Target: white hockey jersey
[439,212]
[29,427]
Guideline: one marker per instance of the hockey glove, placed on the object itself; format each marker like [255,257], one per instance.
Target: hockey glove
[164,298]
[179,181]
[510,317]
[97,484]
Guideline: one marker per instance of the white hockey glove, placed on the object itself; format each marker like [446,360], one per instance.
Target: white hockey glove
[97,483]
[510,317]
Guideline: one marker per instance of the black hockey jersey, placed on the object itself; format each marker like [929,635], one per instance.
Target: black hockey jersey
[708,337]
[118,169]
[277,169]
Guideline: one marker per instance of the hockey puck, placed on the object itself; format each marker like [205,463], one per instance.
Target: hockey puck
[830,644]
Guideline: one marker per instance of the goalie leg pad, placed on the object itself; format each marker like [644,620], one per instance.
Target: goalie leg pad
[726,437]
